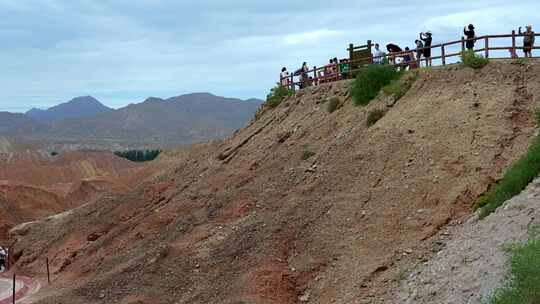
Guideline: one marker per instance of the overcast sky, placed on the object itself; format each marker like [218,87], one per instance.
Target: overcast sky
[122,51]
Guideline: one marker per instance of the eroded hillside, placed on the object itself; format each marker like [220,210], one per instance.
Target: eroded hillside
[34,185]
[302,206]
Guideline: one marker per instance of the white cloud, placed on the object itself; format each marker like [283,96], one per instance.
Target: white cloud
[126,50]
[486,19]
[310,37]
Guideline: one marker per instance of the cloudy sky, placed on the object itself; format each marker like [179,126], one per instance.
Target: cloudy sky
[122,51]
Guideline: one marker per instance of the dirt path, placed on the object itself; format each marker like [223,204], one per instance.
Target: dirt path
[23,287]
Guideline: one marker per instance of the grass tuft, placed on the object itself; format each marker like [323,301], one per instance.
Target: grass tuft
[520,174]
[374,116]
[523,285]
[371,80]
[399,87]
[473,60]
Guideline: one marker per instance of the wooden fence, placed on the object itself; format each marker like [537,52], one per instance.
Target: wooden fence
[443,52]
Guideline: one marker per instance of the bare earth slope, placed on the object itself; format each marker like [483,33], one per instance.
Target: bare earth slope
[247,220]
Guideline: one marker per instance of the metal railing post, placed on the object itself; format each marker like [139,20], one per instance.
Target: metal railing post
[443,55]
[351,47]
[369,49]
[487,47]
[462,44]
[14,279]
[514,51]
[48,272]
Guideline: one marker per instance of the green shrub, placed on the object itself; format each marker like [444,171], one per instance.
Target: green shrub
[537,115]
[520,61]
[276,96]
[520,174]
[523,285]
[374,116]
[333,104]
[471,59]
[399,87]
[394,88]
[370,80]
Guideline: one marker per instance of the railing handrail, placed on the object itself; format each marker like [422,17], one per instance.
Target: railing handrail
[442,46]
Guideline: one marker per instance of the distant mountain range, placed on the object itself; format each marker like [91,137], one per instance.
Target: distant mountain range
[20,124]
[158,122]
[75,108]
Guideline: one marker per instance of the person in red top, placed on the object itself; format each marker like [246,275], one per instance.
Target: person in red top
[329,71]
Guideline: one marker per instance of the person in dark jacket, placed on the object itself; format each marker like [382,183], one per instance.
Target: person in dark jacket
[528,41]
[408,60]
[427,38]
[470,35]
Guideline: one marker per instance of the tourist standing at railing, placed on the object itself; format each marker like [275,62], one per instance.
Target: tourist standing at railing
[427,38]
[328,70]
[284,76]
[303,73]
[393,48]
[408,60]
[378,55]
[528,40]
[335,69]
[471,36]
[344,68]
[419,50]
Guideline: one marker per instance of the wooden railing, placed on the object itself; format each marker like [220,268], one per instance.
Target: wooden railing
[317,75]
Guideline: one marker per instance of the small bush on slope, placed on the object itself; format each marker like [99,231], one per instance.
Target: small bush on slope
[276,96]
[473,60]
[520,174]
[370,80]
[374,116]
[523,286]
[399,87]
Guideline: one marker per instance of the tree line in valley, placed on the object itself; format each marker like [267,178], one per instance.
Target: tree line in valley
[139,155]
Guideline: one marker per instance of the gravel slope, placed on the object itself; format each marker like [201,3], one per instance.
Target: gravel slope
[472,264]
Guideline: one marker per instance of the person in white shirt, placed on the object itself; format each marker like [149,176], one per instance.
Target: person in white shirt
[378,55]
[284,76]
